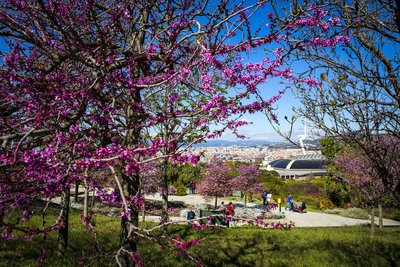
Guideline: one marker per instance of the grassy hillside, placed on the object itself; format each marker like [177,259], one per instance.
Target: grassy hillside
[245,246]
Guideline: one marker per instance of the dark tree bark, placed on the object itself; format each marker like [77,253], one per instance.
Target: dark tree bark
[164,194]
[76,195]
[63,222]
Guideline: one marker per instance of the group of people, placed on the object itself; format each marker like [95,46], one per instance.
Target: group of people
[192,187]
[266,198]
[230,210]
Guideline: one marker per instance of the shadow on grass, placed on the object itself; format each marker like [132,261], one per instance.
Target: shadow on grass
[368,252]
[300,248]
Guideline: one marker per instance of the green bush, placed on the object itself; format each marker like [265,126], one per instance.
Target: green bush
[326,203]
[392,213]
[273,184]
[336,192]
[181,189]
[296,188]
[320,182]
[310,201]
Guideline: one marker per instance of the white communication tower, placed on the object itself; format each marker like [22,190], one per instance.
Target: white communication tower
[301,138]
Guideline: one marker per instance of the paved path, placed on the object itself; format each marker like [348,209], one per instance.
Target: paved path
[308,219]
[316,219]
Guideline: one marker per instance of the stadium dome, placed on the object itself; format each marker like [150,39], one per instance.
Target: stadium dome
[299,166]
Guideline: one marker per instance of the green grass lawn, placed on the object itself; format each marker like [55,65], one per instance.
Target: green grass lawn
[245,246]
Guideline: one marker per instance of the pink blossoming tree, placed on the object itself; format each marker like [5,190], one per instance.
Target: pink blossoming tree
[79,81]
[217,181]
[360,173]
[247,181]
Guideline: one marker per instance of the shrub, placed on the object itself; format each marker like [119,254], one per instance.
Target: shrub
[313,190]
[181,190]
[326,204]
[320,182]
[310,201]
[296,188]
[392,213]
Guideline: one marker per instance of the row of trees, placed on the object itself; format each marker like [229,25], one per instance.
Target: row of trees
[219,182]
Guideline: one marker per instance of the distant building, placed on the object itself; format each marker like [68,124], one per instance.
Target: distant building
[299,166]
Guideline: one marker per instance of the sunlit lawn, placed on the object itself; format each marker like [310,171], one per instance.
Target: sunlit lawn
[245,246]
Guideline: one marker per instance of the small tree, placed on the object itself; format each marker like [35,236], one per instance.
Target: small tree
[247,181]
[217,181]
[358,173]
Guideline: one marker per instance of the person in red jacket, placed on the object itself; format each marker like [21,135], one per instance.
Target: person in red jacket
[194,188]
[231,209]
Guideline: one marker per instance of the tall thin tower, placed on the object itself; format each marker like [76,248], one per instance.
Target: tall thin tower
[301,138]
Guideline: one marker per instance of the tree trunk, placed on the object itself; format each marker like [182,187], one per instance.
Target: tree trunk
[93,198]
[245,200]
[86,201]
[215,207]
[380,216]
[372,221]
[76,192]
[144,211]
[128,239]
[63,222]
[164,191]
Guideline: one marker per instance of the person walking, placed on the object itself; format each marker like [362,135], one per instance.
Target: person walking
[194,188]
[191,187]
[289,202]
[264,197]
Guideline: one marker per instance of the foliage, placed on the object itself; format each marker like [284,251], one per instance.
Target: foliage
[391,213]
[356,171]
[248,180]
[296,188]
[325,204]
[233,165]
[217,180]
[181,190]
[273,183]
[182,175]
[330,147]
[311,201]
[337,192]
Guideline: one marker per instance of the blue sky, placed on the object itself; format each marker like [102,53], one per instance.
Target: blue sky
[260,129]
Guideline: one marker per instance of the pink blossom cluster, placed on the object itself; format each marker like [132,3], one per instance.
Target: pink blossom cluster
[178,243]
